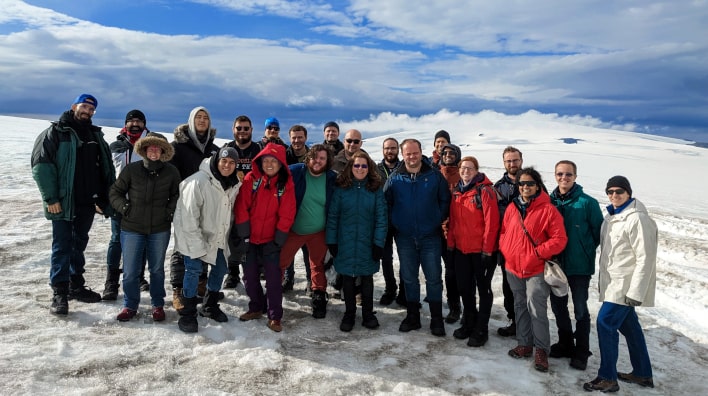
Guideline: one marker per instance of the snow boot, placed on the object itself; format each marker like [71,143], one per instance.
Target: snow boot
[188,315]
[60,299]
[367,303]
[319,304]
[110,291]
[437,324]
[210,307]
[565,347]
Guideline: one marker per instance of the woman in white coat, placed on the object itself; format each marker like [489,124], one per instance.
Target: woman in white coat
[627,279]
[202,223]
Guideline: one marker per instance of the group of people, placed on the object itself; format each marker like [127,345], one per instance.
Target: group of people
[251,205]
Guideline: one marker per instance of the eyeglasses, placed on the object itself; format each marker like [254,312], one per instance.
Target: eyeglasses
[134,121]
[618,191]
[452,153]
[466,169]
[273,128]
[353,141]
[529,183]
[362,166]
[566,174]
[512,161]
[244,128]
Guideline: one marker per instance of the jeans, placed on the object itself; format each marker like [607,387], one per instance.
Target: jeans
[114,250]
[69,240]
[135,247]
[414,253]
[613,317]
[193,267]
[531,309]
[579,285]
[255,259]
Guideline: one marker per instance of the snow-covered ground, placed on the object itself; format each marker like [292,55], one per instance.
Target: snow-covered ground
[89,352]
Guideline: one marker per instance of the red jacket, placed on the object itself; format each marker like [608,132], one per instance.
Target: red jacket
[545,225]
[472,229]
[260,207]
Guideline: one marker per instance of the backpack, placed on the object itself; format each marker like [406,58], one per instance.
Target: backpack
[478,198]
[257,183]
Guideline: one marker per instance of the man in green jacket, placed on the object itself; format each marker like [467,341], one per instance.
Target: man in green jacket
[72,166]
[582,218]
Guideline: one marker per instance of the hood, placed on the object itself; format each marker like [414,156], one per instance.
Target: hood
[274,149]
[155,139]
[456,149]
[182,134]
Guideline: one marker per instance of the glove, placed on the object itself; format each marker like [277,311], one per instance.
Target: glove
[450,249]
[376,253]
[488,261]
[631,302]
[125,209]
[333,249]
[169,215]
[271,248]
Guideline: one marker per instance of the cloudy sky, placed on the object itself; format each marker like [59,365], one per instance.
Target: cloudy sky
[633,64]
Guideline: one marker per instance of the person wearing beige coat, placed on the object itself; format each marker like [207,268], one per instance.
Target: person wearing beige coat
[627,279]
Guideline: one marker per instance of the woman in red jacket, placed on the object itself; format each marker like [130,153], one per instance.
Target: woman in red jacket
[472,236]
[532,232]
[264,213]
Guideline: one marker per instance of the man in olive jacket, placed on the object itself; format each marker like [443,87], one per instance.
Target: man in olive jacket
[72,166]
[582,218]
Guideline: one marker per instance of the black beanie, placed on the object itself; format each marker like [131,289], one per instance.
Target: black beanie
[443,134]
[331,124]
[619,181]
[135,114]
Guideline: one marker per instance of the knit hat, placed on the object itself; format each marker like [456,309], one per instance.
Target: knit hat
[86,98]
[621,182]
[331,124]
[228,152]
[272,121]
[135,114]
[443,134]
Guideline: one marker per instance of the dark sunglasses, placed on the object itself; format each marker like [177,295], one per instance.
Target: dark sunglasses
[618,191]
[245,129]
[529,183]
[566,174]
[273,128]
[353,141]
[362,166]
[449,153]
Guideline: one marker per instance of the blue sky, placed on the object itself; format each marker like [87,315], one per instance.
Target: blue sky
[633,64]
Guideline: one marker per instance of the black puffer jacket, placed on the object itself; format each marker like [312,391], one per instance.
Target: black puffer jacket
[188,156]
[146,192]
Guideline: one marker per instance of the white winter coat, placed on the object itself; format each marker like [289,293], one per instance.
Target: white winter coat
[203,217]
[628,256]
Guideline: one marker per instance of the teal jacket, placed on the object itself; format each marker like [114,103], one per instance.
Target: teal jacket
[582,218]
[357,221]
[54,163]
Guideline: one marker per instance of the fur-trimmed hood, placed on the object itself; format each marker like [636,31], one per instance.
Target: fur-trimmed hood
[155,139]
[182,134]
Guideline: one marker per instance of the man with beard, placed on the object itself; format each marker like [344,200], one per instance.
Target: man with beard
[193,142]
[331,135]
[71,164]
[314,185]
[272,133]
[352,144]
[507,191]
[123,154]
[389,163]
[247,150]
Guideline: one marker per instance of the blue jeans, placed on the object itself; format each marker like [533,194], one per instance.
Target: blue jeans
[579,286]
[414,253]
[193,268]
[135,247]
[69,240]
[114,250]
[613,317]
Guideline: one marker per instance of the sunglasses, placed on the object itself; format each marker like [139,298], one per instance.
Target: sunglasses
[353,141]
[362,166]
[449,153]
[245,129]
[618,191]
[529,183]
[566,174]
[273,128]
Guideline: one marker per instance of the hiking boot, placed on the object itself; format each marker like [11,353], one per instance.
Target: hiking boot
[454,315]
[508,331]
[202,287]
[565,347]
[210,308]
[84,294]
[288,284]
[478,339]
[646,382]
[275,325]
[370,321]
[437,324]
[188,315]
[412,319]
[110,290]
[231,281]
[319,304]
[126,314]
[579,361]
[601,385]
[347,323]
[177,303]
[462,333]
[144,285]
[387,298]
[158,314]
[521,352]
[60,300]
[250,315]
[540,360]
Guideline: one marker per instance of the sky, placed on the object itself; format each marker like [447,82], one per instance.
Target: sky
[89,352]
[631,65]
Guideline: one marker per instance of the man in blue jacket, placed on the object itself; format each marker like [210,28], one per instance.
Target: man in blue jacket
[72,166]
[419,201]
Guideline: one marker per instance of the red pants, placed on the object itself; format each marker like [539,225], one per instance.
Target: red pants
[318,250]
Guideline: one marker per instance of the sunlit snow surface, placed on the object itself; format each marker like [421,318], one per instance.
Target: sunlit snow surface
[89,352]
